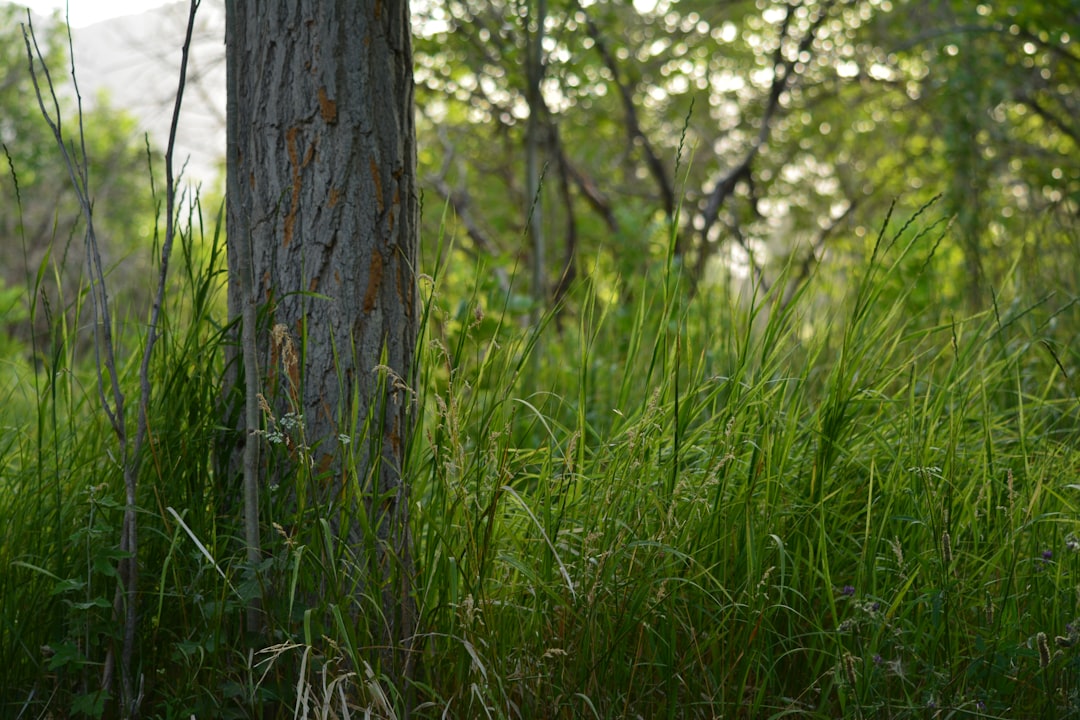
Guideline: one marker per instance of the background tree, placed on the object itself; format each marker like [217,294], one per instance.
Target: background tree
[322,218]
[620,84]
[997,90]
[809,119]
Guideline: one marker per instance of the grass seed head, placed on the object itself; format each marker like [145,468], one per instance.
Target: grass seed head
[849,669]
[1044,650]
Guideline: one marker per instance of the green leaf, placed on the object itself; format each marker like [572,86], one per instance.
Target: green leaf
[92,705]
[95,602]
[65,654]
[69,585]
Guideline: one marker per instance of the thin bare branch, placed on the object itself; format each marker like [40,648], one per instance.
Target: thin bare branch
[132,471]
[125,600]
[459,202]
[104,357]
[935,33]
[569,271]
[77,172]
[587,186]
[1050,116]
[633,125]
[783,75]
[170,234]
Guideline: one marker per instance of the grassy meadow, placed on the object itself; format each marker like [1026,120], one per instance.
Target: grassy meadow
[664,501]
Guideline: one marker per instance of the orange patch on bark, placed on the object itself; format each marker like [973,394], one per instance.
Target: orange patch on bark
[395,439]
[292,144]
[324,465]
[377,179]
[335,197]
[327,107]
[374,281]
[294,161]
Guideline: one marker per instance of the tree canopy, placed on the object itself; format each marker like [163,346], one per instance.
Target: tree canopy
[780,131]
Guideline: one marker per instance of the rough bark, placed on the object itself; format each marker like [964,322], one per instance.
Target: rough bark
[323,197]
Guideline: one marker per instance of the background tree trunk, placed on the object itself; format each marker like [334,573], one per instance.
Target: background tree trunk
[322,197]
[534,204]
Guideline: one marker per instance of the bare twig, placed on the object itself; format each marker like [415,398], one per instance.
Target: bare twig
[104,347]
[587,186]
[945,31]
[78,173]
[131,474]
[783,75]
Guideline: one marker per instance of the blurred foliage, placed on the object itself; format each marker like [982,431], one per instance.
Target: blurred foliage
[40,219]
[794,125]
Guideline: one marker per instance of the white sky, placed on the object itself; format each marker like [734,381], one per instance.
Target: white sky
[88,12]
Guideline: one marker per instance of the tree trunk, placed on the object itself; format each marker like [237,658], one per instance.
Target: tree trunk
[323,208]
[534,49]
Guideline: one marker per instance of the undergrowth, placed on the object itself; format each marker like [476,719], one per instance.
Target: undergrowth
[696,504]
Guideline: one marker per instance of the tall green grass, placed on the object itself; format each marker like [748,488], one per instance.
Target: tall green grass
[693,505]
[711,507]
